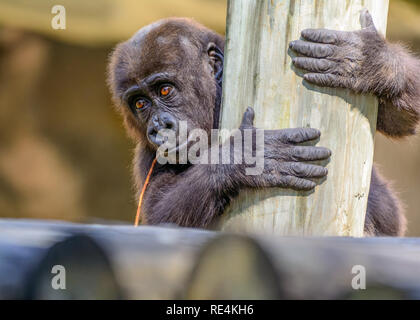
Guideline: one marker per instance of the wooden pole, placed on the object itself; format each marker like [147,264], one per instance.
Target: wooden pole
[258,73]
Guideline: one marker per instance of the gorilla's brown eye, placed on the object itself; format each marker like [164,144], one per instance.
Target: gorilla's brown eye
[140,104]
[165,90]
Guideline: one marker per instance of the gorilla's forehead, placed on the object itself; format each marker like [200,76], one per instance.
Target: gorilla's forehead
[161,46]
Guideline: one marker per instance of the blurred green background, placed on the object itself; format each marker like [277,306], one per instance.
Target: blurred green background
[63,150]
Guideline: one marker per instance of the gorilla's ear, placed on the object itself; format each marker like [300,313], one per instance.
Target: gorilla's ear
[216,61]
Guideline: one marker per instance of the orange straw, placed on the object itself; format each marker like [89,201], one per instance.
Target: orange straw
[146,182]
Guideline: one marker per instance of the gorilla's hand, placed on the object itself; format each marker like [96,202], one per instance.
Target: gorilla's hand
[342,59]
[285,161]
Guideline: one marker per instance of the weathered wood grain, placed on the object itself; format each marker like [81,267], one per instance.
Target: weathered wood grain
[258,73]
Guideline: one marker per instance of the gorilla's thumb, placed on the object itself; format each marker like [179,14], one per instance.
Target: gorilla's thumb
[366,20]
[248,118]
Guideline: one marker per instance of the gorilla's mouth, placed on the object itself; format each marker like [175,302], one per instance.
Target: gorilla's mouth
[174,149]
[178,148]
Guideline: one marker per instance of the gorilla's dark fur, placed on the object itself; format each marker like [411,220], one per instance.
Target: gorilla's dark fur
[188,58]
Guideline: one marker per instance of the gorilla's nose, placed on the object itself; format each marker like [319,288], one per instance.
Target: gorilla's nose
[163,121]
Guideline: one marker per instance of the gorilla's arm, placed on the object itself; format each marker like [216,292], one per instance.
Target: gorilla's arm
[364,62]
[384,213]
[198,194]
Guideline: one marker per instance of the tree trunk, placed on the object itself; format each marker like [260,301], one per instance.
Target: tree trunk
[258,73]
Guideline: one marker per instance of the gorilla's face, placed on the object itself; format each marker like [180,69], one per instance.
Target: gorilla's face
[164,80]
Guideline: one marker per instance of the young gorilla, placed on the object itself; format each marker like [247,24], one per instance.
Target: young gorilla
[171,71]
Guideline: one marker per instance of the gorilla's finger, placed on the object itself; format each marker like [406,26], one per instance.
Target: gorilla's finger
[366,20]
[297,135]
[296,183]
[248,118]
[307,153]
[322,35]
[328,80]
[313,65]
[315,50]
[305,170]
